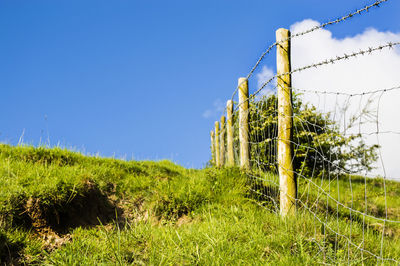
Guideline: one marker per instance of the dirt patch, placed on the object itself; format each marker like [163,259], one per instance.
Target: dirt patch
[52,240]
[53,222]
[183,220]
[134,210]
[87,209]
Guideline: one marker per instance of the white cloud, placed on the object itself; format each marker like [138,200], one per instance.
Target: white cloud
[378,70]
[217,109]
[264,76]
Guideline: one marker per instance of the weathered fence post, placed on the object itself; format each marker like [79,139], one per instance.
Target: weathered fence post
[222,141]
[287,181]
[212,135]
[229,133]
[217,161]
[244,123]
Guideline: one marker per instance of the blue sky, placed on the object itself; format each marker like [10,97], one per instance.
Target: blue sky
[135,78]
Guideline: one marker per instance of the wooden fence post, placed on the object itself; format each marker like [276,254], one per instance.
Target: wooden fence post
[229,133]
[212,135]
[244,123]
[287,181]
[217,161]
[222,141]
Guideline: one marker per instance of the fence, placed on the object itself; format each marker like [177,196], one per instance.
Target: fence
[302,160]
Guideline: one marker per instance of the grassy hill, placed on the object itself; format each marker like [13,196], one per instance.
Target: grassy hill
[60,207]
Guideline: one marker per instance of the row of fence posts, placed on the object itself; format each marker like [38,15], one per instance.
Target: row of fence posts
[224,129]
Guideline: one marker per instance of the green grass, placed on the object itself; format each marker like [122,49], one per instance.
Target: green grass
[60,207]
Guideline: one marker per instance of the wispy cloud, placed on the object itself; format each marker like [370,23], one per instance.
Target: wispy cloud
[263,76]
[216,109]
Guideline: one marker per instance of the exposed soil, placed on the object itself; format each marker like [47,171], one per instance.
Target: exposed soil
[183,220]
[88,209]
[54,222]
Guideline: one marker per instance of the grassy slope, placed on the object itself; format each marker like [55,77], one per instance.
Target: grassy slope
[160,213]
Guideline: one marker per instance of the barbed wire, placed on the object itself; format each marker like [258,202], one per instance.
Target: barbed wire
[323,191]
[332,60]
[348,94]
[328,61]
[321,169]
[321,26]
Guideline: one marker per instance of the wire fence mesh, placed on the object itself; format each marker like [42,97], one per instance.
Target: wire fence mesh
[341,179]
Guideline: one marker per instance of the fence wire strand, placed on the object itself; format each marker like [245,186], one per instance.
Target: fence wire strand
[342,181]
[359,11]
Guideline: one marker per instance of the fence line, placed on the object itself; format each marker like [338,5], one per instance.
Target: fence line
[318,162]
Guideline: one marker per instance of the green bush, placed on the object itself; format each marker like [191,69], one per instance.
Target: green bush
[318,144]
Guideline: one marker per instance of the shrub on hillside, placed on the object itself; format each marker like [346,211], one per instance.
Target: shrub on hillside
[318,143]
